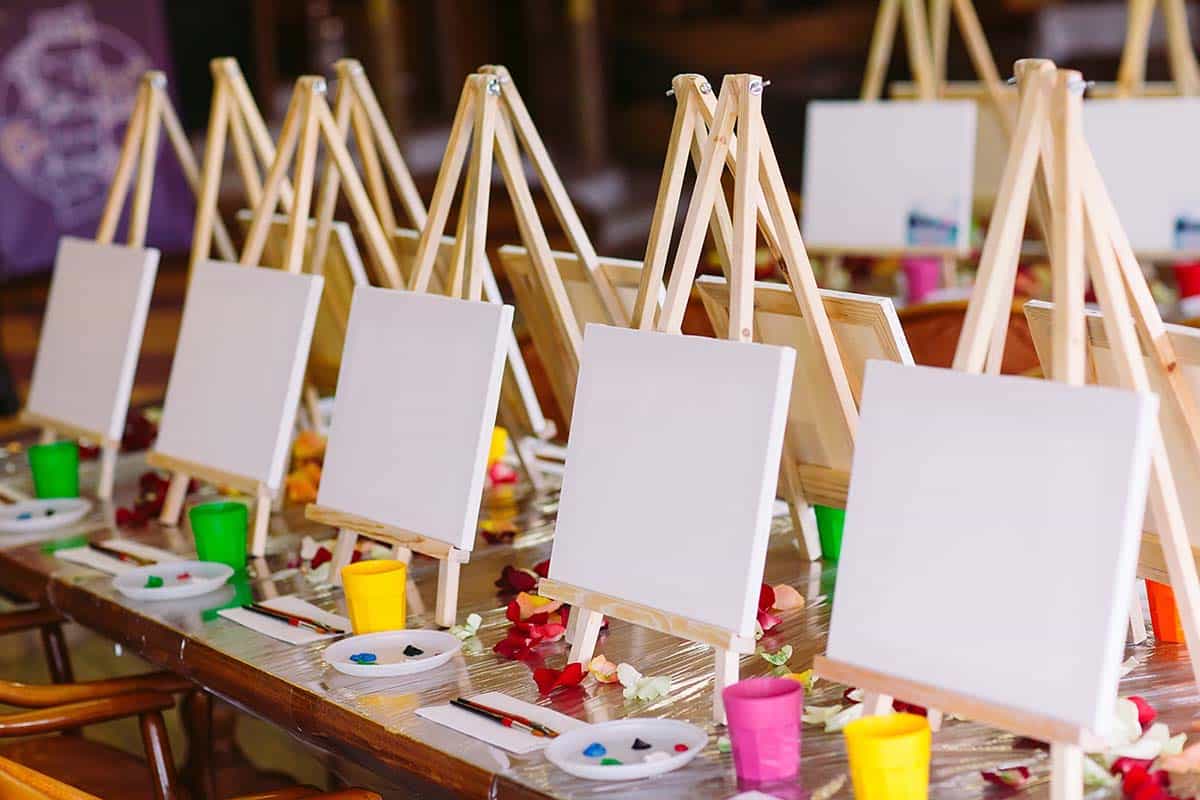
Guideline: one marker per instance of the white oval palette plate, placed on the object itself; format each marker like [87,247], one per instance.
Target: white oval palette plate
[575,752]
[180,579]
[437,647]
[31,516]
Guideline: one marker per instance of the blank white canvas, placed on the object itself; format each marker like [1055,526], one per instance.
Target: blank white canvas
[415,408]
[867,165]
[92,334]
[1146,151]
[992,531]
[1184,460]
[671,471]
[238,368]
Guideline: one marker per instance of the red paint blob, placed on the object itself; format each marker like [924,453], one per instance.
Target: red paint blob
[681,748]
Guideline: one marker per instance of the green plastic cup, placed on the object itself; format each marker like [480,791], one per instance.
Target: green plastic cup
[55,469]
[830,522]
[220,533]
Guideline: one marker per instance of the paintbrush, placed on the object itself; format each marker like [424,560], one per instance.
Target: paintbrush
[504,718]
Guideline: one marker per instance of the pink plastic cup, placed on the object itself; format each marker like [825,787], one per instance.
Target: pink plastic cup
[923,276]
[763,715]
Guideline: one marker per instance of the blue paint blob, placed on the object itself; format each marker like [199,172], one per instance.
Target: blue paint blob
[594,750]
[363,658]
[25,515]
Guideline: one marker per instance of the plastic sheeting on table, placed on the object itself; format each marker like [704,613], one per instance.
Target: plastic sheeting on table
[961,749]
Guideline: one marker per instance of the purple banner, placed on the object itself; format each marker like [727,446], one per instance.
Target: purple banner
[69,72]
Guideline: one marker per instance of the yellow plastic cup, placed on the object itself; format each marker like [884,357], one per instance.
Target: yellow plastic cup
[375,595]
[889,757]
[498,447]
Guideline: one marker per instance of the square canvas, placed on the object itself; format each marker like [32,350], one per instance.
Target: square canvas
[238,369]
[992,532]
[92,334]
[888,176]
[416,405]
[1145,151]
[671,472]
[1184,460]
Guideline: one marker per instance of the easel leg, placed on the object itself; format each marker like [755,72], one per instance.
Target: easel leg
[1066,772]
[528,462]
[262,519]
[587,632]
[47,436]
[725,674]
[173,502]
[446,611]
[343,551]
[412,594]
[1137,620]
[804,517]
[108,471]
[875,704]
[935,719]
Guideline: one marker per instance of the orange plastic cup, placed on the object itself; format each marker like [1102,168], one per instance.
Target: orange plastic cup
[1164,616]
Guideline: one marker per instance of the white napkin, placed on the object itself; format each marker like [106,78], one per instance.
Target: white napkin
[280,630]
[88,557]
[484,729]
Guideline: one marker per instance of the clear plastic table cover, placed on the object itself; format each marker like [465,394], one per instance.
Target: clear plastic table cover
[961,750]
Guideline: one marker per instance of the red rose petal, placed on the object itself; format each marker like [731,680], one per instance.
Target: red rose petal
[766,599]
[542,568]
[1146,712]
[1008,777]
[320,557]
[550,679]
[767,620]
[1123,765]
[516,580]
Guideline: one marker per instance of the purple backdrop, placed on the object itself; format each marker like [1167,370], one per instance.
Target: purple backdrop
[68,76]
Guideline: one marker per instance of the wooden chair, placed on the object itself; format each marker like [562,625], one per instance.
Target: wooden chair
[49,624]
[36,768]
[18,782]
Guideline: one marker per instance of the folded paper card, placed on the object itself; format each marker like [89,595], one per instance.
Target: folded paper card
[514,741]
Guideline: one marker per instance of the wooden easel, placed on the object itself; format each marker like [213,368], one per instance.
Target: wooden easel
[695,116]
[492,115]
[1084,233]
[308,122]
[357,108]
[927,38]
[1086,241]
[1131,74]
[740,106]
[152,111]
[488,126]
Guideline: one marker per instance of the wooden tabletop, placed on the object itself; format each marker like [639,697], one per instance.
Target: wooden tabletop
[373,723]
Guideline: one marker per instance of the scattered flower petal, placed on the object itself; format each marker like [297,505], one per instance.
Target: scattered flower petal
[603,670]
[542,568]
[819,715]
[549,680]
[1009,777]
[1096,776]
[843,718]
[724,745]
[779,657]
[322,556]
[530,604]
[468,629]
[517,580]
[639,687]
[1146,712]
[807,678]
[787,598]
[766,598]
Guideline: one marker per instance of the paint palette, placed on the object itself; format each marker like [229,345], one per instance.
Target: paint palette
[391,653]
[627,749]
[31,516]
[173,580]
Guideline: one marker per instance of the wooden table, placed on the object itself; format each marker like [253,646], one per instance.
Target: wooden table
[372,722]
